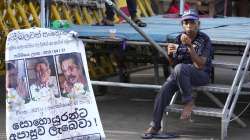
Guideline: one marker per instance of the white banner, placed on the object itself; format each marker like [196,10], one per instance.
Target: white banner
[49,94]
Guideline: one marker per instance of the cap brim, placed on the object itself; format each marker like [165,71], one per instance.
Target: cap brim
[189,17]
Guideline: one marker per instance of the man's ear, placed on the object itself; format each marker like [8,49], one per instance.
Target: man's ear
[181,23]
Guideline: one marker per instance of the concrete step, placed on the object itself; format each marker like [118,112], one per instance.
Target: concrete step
[201,111]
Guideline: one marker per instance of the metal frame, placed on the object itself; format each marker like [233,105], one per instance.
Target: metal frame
[234,92]
[140,31]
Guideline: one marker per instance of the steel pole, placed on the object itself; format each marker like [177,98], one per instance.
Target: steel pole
[42,13]
[225,8]
[47,13]
[181,7]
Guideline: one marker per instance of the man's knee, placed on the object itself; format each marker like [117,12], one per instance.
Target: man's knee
[181,69]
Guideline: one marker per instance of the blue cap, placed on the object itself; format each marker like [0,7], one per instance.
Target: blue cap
[190,14]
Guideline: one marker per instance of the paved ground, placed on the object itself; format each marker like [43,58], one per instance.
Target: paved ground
[125,116]
[125,113]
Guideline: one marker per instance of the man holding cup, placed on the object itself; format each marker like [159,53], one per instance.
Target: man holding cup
[191,58]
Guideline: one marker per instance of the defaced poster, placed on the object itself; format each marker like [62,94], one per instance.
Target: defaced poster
[48,89]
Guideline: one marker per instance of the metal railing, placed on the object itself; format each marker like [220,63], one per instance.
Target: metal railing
[234,91]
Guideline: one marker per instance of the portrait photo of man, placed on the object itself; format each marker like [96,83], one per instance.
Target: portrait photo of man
[72,74]
[16,86]
[42,77]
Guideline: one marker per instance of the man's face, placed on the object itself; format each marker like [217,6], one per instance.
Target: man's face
[11,78]
[42,73]
[190,26]
[71,71]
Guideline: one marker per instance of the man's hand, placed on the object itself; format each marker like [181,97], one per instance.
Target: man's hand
[198,61]
[186,40]
[172,48]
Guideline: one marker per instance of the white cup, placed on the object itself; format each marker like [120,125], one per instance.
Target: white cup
[112,33]
[176,47]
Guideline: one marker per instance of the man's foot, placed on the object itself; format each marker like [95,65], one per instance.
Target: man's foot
[139,22]
[152,130]
[187,111]
[106,22]
[149,133]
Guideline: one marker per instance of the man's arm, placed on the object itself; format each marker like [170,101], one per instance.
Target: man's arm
[198,61]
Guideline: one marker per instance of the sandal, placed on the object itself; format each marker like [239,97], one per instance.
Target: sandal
[140,23]
[147,136]
[154,133]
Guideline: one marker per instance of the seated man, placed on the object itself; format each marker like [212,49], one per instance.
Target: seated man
[191,57]
[109,20]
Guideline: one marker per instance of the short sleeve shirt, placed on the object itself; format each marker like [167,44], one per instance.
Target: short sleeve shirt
[203,47]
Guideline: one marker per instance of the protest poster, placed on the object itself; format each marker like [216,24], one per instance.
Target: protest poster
[49,94]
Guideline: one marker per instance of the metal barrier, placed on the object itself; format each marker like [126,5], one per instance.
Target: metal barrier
[20,14]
